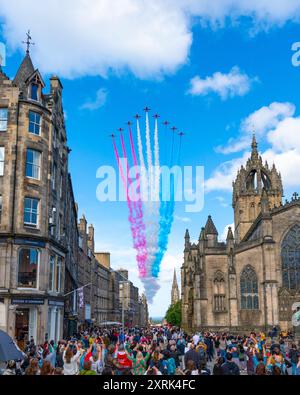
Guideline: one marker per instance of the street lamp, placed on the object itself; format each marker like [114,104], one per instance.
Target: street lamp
[122,283]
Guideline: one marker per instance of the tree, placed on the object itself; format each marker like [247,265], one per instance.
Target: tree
[173,315]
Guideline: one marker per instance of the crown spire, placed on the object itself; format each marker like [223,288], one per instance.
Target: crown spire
[254,147]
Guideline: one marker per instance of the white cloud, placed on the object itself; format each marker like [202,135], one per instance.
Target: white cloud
[281,130]
[224,174]
[101,97]
[235,83]
[182,219]
[148,38]
[267,117]
[286,136]
[260,122]
[222,201]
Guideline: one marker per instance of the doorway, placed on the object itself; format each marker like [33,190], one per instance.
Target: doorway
[22,327]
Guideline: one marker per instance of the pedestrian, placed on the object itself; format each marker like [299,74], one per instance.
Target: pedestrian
[217,370]
[33,368]
[230,368]
[46,369]
[71,360]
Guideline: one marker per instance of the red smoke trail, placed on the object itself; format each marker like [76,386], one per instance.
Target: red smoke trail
[138,244]
[138,207]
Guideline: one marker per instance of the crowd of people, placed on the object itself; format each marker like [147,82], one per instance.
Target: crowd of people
[161,351]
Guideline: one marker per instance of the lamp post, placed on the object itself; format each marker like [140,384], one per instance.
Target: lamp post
[122,283]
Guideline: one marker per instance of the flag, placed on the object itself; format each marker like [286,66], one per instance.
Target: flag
[81,297]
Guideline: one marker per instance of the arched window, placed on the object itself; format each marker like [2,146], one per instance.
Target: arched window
[28,268]
[290,258]
[219,292]
[253,183]
[249,289]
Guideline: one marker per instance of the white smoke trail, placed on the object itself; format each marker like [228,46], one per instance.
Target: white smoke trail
[144,179]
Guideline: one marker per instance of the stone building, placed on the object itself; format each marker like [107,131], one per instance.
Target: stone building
[45,255]
[71,266]
[175,290]
[33,182]
[129,299]
[101,308]
[86,274]
[253,279]
[143,312]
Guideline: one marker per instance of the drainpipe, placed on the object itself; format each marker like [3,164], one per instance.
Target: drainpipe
[15,173]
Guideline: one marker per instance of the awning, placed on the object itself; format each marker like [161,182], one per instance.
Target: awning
[110,323]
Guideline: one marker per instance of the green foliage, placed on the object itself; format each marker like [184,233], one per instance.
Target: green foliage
[173,315]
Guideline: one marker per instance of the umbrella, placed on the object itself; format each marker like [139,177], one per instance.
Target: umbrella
[9,351]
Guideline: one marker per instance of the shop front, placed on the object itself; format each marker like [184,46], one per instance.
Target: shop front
[26,319]
[55,320]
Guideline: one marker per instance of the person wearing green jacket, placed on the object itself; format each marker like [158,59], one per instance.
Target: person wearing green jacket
[139,362]
[87,371]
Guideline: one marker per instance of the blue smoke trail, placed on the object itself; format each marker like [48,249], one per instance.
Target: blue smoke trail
[166,220]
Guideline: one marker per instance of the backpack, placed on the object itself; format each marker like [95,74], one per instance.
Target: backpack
[171,367]
[201,353]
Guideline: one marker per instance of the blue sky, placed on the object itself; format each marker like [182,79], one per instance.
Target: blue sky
[256,88]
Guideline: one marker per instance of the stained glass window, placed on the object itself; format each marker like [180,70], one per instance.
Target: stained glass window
[290,258]
[249,289]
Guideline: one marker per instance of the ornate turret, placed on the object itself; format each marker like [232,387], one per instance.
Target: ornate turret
[229,234]
[248,189]
[211,232]
[175,290]
[187,243]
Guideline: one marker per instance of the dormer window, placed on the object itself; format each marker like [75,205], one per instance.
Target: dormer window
[34,92]
[35,86]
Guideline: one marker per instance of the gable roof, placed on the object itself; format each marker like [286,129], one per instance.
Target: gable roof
[26,69]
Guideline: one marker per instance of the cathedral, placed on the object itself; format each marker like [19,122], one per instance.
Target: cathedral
[251,281]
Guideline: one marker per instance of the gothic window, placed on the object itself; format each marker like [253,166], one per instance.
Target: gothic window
[249,289]
[219,292]
[290,258]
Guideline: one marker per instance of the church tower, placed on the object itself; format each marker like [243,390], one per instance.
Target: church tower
[251,184]
[175,290]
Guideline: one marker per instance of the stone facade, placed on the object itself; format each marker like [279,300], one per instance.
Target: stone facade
[33,187]
[252,280]
[45,254]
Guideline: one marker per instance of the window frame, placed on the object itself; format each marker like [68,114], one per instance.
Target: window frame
[249,291]
[55,275]
[290,259]
[2,162]
[1,208]
[37,167]
[4,120]
[31,224]
[34,123]
[37,271]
